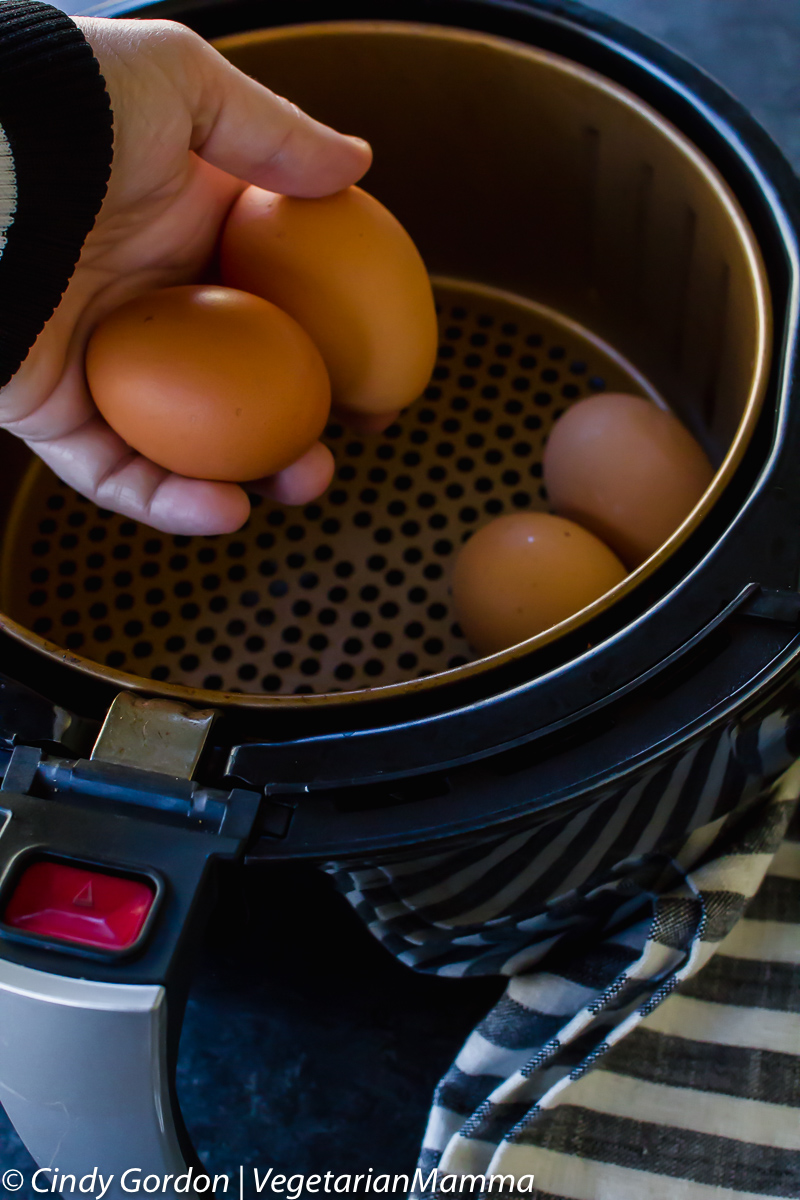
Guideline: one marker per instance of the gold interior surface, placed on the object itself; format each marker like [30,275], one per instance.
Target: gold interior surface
[546,199]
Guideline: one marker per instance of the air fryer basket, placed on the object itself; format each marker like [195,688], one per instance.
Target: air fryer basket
[577,242]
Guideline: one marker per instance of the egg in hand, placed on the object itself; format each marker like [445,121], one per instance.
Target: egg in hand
[344,267]
[525,572]
[209,382]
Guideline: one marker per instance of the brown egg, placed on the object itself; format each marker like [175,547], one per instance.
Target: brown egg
[625,469]
[346,269]
[209,382]
[524,573]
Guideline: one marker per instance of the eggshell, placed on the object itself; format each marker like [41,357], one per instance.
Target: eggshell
[524,573]
[209,382]
[345,268]
[625,469]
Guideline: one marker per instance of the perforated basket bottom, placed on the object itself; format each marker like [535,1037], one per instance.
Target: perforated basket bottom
[351,591]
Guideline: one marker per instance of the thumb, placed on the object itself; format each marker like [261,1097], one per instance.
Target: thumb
[245,129]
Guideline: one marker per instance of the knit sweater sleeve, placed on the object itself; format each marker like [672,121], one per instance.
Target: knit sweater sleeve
[55,160]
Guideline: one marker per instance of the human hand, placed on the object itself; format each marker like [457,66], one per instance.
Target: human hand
[188,130]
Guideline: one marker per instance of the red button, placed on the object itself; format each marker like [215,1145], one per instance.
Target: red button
[74,905]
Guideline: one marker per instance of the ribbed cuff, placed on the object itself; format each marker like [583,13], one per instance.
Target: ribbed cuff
[55,160]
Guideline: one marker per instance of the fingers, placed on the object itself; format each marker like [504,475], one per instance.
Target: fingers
[248,131]
[303,481]
[98,464]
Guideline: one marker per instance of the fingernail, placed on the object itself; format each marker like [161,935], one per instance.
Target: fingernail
[357,141]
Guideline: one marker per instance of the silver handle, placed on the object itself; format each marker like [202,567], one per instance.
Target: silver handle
[83,1074]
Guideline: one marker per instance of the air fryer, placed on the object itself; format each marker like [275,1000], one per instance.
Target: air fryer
[595,214]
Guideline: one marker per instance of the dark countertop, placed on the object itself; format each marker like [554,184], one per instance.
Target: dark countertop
[752,47]
[306,1046]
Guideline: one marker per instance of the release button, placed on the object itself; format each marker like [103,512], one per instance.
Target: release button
[71,904]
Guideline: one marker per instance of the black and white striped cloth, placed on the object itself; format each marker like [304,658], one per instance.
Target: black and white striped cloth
[647,1046]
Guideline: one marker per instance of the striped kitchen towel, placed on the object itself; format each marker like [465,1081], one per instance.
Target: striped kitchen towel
[647,1046]
[663,1061]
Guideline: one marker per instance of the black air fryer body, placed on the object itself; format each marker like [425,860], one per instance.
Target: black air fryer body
[707,642]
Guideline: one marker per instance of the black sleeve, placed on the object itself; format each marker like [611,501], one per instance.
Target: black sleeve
[55,160]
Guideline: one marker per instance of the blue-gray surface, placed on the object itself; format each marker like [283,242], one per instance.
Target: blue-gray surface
[306,1047]
[750,46]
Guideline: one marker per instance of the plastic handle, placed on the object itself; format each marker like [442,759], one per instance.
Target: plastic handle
[84,1076]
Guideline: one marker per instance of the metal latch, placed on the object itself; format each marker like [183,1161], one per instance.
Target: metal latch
[153,735]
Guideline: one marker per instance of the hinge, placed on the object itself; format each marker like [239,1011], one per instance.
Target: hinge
[167,797]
